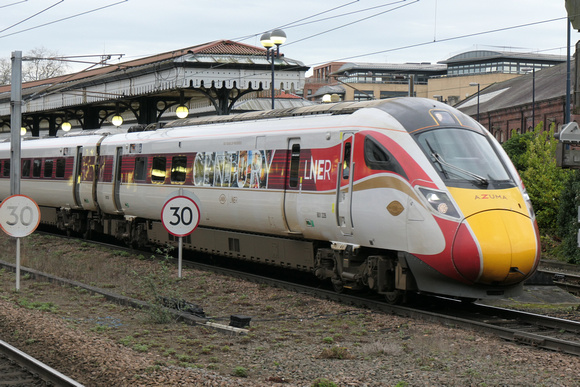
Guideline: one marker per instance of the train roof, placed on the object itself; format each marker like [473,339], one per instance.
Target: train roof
[414,113]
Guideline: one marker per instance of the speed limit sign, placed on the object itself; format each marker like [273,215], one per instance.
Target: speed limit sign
[19,215]
[180,216]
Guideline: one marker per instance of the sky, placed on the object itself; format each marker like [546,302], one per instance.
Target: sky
[318,31]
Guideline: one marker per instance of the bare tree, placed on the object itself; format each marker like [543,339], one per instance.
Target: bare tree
[40,64]
[5,70]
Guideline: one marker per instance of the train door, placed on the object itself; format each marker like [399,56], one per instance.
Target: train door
[117,182]
[344,185]
[292,186]
[77,177]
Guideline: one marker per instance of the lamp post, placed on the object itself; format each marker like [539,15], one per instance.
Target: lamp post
[533,70]
[478,86]
[268,40]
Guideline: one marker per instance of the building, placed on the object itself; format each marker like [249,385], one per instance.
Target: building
[481,68]
[521,103]
[144,91]
[364,81]
[450,81]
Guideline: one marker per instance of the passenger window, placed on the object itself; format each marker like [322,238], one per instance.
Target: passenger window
[60,167]
[294,165]
[141,168]
[178,169]
[346,161]
[158,170]
[6,170]
[377,157]
[36,166]
[25,168]
[48,168]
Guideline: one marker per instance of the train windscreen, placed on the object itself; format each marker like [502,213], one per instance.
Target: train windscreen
[463,156]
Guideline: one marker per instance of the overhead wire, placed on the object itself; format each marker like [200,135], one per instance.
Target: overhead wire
[64,18]
[32,16]
[354,22]
[11,4]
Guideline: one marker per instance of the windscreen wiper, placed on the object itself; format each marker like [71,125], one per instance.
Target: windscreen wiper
[479,179]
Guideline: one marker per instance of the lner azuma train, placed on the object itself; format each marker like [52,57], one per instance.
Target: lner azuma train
[400,195]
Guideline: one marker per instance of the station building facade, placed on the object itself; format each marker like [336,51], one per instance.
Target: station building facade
[448,81]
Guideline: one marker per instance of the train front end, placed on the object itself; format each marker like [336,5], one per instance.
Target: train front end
[488,237]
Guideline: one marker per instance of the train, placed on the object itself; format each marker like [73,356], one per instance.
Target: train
[398,196]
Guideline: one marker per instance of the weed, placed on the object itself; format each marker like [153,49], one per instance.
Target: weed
[42,306]
[100,328]
[328,340]
[141,347]
[126,341]
[336,353]
[240,372]
[322,382]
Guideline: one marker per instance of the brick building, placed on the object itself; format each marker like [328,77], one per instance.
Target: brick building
[521,103]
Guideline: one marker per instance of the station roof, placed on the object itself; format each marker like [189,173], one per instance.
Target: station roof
[477,56]
[192,73]
[398,67]
[550,83]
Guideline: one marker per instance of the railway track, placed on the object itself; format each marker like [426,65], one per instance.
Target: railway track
[565,276]
[19,369]
[520,327]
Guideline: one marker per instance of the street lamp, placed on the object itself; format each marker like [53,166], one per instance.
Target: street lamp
[476,84]
[269,40]
[533,70]
[117,120]
[182,111]
[66,126]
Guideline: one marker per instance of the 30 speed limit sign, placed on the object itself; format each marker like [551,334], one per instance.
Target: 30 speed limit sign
[180,216]
[19,215]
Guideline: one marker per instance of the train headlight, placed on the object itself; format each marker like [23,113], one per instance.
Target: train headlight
[440,202]
[529,204]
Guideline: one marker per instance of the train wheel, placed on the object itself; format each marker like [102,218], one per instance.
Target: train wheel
[395,297]
[338,286]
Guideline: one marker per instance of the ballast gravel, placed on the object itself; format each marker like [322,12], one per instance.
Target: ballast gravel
[293,339]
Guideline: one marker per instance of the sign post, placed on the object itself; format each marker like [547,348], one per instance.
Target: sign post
[19,217]
[180,217]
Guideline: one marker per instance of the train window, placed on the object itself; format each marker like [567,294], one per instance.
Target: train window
[60,167]
[346,161]
[36,166]
[6,169]
[48,168]
[178,169]
[379,158]
[294,165]
[158,170]
[25,168]
[141,168]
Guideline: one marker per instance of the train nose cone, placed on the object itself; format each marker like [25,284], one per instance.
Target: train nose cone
[494,247]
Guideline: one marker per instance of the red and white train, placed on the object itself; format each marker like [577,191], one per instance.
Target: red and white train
[399,195]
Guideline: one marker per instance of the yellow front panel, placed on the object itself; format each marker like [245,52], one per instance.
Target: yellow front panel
[472,201]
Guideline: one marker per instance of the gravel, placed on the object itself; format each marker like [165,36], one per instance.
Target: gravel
[292,340]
